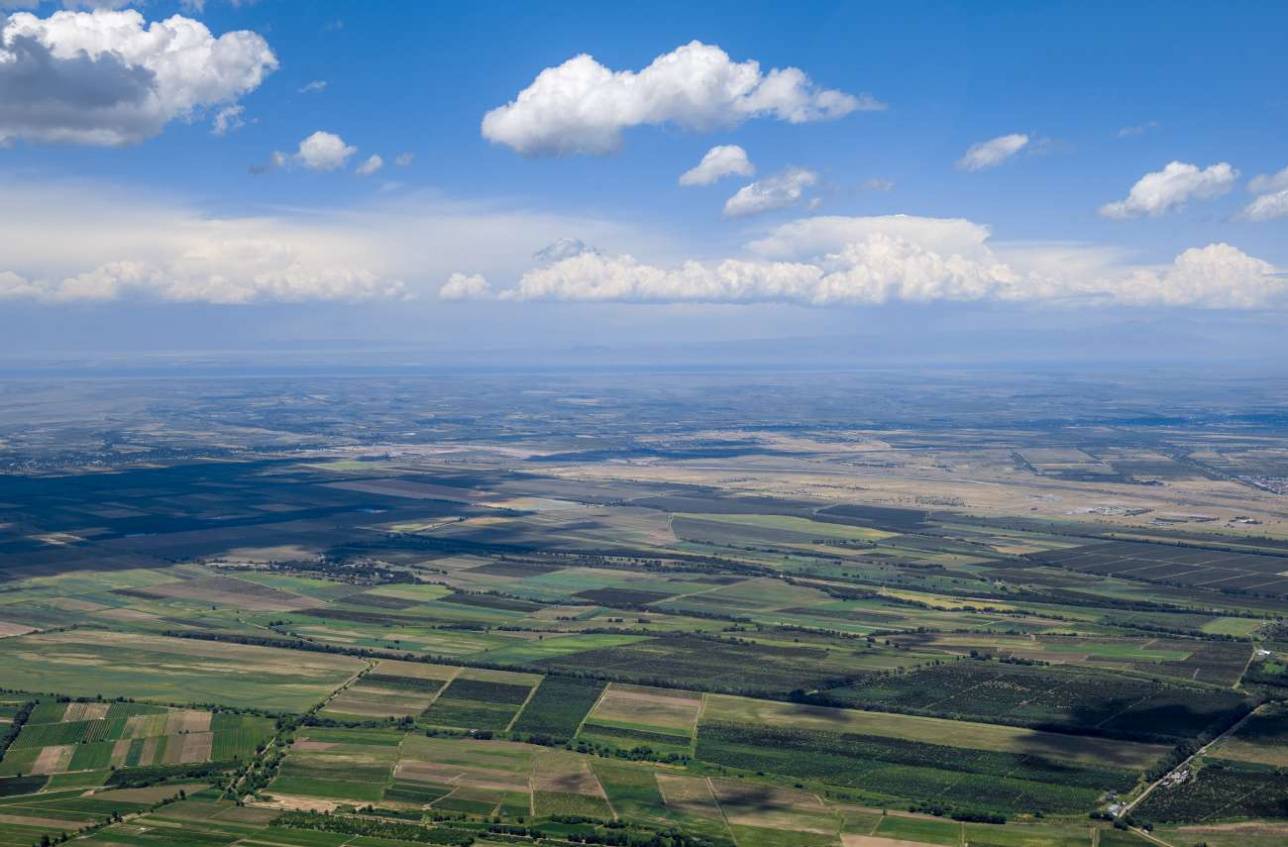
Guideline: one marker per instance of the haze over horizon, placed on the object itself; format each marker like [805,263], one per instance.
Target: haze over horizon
[927,180]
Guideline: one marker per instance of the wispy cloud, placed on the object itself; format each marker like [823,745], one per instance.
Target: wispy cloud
[775,192]
[991,153]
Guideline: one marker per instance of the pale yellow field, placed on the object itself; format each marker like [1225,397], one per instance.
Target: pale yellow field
[648,706]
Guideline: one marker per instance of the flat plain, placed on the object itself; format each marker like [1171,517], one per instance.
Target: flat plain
[770,616]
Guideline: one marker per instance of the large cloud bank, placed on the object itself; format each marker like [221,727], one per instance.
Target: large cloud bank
[870,260]
[69,242]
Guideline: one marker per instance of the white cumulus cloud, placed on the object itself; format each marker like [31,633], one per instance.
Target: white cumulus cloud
[583,107]
[110,77]
[324,151]
[1159,192]
[775,192]
[991,153]
[721,161]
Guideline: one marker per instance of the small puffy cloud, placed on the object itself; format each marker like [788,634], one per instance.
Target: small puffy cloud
[324,151]
[1159,192]
[582,107]
[317,86]
[228,119]
[465,287]
[110,78]
[370,165]
[1267,207]
[1265,183]
[878,184]
[991,153]
[721,161]
[404,160]
[775,192]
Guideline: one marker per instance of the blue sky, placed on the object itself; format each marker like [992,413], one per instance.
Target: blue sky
[1102,97]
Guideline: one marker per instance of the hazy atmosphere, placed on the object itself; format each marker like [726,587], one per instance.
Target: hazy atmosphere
[926,179]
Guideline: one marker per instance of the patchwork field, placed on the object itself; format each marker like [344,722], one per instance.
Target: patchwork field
[570,611]
[60,738]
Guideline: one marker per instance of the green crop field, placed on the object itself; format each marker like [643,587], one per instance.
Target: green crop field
[171,670]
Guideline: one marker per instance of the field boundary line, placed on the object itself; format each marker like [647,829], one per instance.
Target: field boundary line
[697,721]
[344,686]
[602,694]
[719,808]
[1251,656]
[532,692]
[439,693]
[700,591]
[590,768]
[1149,836]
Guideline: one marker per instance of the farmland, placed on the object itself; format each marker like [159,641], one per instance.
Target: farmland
[980,631]
[91,738]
